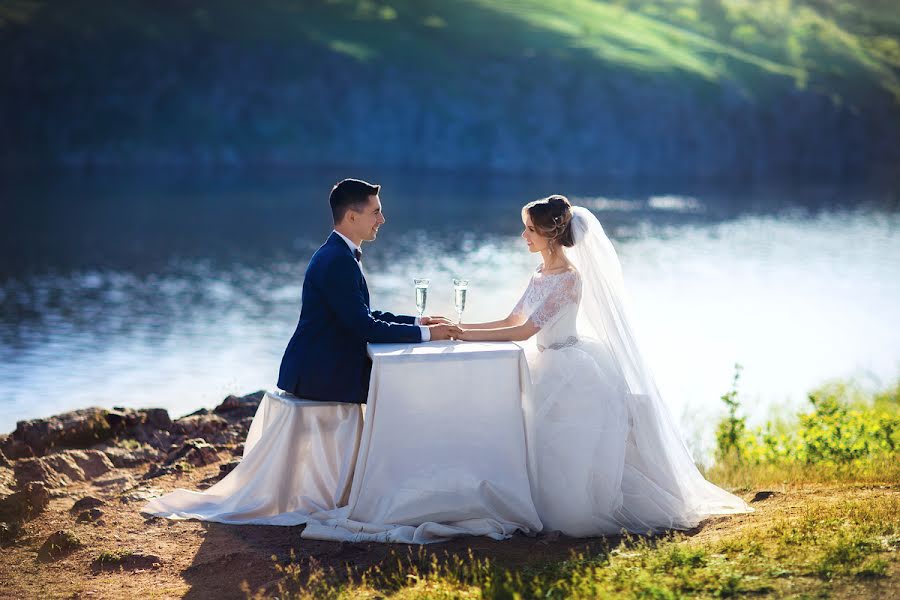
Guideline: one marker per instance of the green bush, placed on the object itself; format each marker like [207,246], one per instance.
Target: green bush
[844,427]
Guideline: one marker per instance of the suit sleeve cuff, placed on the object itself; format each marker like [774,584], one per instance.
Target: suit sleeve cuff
[426,333]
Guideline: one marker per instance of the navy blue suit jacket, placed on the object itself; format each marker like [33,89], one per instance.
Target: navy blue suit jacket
[326,358]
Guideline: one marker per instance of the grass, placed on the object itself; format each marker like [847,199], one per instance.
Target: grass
[849,436]
[831,528]
[745,477]
[830,545]
[113,557]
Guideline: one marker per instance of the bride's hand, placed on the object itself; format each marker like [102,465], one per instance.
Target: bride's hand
[461,336]
[435,321]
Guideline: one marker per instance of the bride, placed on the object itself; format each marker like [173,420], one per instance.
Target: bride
[604,453]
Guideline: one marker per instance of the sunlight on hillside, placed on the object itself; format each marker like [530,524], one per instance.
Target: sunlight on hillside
[830,45]
[724,38]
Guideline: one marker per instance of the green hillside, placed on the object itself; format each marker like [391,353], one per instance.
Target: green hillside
[625,88]
[827,45]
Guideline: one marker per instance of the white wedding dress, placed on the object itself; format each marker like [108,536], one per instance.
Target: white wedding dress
[604,454]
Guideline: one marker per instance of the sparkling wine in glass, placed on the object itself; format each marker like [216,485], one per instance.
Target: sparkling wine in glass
[421,295]
[460,287]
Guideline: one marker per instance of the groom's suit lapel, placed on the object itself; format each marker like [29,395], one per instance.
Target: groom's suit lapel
[340,245]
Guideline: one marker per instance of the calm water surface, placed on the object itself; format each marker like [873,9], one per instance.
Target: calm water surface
[151,290]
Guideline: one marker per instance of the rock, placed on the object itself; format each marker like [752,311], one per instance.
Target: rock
[123,457]
[58,545]
[228,438]
[196,452]
[60,468]
[154,520]
[65,465]
[125,560]
[24,504]
[240,407]
[763,495]
[7,479]
[159,418]
[224,470]
[76,429]
[4,462]
[124,418]
[115,481]
[9,532]
[89,516]
[228,467]
[94,463]
[141,494]
[13,507]
[38,497]
[35,469]
[86,503]
[231,402]
[200,426]
[150,435]
[160,470]
[14,449]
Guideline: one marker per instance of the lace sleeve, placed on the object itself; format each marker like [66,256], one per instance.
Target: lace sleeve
[563,292]
[519,309]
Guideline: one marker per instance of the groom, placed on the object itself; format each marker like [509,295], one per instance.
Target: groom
[326,358]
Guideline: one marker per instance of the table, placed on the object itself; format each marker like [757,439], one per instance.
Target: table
[443,449]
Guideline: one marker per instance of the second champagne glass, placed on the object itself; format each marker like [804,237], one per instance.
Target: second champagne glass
[460,287]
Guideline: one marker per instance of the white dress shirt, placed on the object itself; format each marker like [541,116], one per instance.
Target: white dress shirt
[426,333]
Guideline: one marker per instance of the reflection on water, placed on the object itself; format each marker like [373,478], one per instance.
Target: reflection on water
[149,291]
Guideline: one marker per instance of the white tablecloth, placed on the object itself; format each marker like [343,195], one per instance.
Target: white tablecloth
[443,450]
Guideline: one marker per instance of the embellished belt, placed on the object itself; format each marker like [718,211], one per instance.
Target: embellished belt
[570,341]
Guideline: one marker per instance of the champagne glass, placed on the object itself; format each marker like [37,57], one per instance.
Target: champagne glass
[421,295]
[460,287]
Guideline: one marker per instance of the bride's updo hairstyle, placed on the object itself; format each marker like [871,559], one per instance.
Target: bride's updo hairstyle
[552,219]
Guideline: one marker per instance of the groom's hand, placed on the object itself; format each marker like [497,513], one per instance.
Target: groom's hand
[444,332]
[436,321]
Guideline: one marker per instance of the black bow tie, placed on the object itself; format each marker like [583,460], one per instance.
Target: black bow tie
[358,254]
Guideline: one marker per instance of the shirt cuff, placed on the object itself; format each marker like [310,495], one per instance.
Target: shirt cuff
[418,321]
[426,333]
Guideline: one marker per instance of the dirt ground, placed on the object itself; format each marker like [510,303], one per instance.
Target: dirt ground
[210,560]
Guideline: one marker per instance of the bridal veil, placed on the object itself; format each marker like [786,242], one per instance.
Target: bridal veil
[655,449]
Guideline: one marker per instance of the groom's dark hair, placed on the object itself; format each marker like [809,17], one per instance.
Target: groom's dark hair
[350,193]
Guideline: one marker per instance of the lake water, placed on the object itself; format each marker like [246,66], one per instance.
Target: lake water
[174,291]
